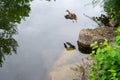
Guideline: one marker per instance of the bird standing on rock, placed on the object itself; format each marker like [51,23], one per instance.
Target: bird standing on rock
[71,16]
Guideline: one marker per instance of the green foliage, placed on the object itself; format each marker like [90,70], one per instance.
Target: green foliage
[11,13]
[113,7]
[7,47]
[118,29]
[14,10]
[106,62]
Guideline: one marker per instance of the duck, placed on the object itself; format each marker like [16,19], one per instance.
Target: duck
[68,46]
[71,16]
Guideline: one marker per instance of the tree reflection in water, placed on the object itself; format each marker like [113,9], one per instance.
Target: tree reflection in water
[11,14]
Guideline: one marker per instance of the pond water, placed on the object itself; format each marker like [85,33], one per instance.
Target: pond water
[41,37]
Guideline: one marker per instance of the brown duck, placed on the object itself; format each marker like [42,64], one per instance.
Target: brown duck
[71,16]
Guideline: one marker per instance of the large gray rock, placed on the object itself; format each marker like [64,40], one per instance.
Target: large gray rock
[88,36]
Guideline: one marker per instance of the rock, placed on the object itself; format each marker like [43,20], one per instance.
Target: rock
[88,36]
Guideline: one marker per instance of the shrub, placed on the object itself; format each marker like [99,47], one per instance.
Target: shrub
[112,8]
[106,62]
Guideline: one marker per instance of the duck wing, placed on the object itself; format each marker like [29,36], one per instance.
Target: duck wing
[68,16]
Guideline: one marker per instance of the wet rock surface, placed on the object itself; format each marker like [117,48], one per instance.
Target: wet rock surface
[88,36]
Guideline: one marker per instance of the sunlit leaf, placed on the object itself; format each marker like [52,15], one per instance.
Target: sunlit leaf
[118,29]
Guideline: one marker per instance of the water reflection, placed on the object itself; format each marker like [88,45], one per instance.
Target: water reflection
[61,69]
[41,39]
[8,45]
[68,46]
[11,13]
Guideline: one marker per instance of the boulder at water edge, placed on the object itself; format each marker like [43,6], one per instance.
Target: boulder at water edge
[88,36]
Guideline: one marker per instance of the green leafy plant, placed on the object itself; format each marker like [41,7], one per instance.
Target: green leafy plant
[112,8]
[106,62]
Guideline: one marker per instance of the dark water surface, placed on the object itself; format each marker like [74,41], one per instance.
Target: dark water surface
[41,37]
